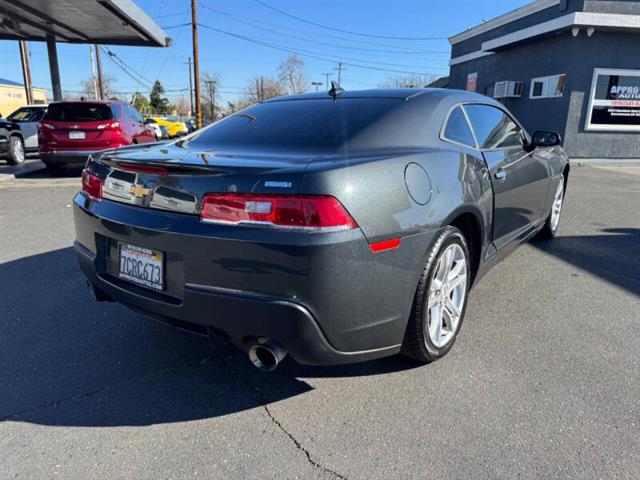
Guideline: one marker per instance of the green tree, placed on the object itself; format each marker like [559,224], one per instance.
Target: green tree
[157,102]
[140,103]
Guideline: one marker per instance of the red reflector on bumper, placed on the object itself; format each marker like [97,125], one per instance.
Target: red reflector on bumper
[384,245]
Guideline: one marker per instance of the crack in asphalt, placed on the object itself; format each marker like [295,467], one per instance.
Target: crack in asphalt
[105,388]
[262,399]
[161,371]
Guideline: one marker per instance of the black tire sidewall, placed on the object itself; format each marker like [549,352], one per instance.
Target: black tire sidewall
[453,236]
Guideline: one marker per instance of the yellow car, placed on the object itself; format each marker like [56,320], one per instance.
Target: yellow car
[174,127]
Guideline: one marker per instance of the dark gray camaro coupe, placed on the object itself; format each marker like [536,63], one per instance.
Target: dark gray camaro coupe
[334,227]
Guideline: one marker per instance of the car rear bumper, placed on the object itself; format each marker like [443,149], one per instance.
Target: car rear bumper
[240,317]
[60,157]
[324,297]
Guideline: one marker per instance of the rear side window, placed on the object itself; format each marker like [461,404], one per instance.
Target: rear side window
[79,112]
[304,124]
[27,114]
[458,130]
[493,127]
[116,110]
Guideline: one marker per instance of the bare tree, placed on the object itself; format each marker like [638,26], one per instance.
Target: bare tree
[260,89]
[292,76]
[182,105]
[408,81]
[108,87]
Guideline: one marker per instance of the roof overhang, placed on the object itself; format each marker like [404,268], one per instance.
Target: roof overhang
[586,20]
[509,17]
[113,22]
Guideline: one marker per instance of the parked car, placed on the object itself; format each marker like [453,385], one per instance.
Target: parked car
[160,130]
[191,125]
[28,117]
[174,127]
[335,228]
[11,142]
[70,131]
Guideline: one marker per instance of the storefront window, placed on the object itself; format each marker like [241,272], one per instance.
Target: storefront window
[615,100]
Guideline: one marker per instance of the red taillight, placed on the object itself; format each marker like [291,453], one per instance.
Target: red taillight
[130,167]
[45,126]
[109,126]
[91,184]
[313,213]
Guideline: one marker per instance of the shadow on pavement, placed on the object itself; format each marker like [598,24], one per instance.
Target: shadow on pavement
[613,256]
[68,360]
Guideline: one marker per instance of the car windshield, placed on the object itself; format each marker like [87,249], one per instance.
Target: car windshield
[170,119]
[78,112]
[27,114]
[304,124]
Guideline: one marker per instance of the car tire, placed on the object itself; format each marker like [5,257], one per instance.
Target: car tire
[16,151]
[550,226]
[435,321]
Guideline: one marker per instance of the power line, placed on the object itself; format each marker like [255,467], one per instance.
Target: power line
[320,56]
[325,35]
[387,37]
[125,68]
[318,42]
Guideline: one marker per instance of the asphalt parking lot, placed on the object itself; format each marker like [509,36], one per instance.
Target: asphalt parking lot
[544,381]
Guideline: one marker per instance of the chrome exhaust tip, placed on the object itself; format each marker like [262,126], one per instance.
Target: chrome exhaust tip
[266,354]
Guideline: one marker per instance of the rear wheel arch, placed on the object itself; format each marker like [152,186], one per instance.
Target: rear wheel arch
[470,223]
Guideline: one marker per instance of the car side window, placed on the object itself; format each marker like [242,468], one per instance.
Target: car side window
[493,127]
[458,130]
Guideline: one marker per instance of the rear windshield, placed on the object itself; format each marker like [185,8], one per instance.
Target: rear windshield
[312,123]
[78,112]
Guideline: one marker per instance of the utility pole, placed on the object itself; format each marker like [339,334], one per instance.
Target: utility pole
[316,84]
[100,78]
[211,88]
[339,68]
[326,79]
[196,62]
[190,88]
[93,74]
[26,71]
[261,88]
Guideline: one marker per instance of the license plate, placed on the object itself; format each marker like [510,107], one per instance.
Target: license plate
[142,266]
[77,135]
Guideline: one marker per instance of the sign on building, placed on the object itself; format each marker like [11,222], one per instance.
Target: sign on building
[615,100]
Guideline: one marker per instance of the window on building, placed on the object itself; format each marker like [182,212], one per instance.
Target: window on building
[493,127]
[547,87]
[458,130]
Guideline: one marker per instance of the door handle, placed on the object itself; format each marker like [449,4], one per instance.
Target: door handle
[501,175]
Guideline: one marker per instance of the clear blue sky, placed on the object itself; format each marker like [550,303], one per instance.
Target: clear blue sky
[236,60]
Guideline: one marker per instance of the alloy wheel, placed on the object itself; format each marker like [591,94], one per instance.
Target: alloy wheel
[447,295]
[18,151]
[556,209]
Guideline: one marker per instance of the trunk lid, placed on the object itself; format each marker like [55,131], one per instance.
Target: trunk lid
[169,177]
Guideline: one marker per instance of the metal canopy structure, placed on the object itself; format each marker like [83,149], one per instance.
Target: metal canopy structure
[112,22]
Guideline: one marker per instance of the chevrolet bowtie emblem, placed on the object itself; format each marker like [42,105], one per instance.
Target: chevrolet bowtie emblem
[139,191]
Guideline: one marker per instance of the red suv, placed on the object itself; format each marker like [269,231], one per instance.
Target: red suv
[70,131]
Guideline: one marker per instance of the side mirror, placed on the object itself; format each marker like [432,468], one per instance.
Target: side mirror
[545,138]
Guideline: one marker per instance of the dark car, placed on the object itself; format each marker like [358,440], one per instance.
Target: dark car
[27,118]
[335,228]
[70,131]
[11,142]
